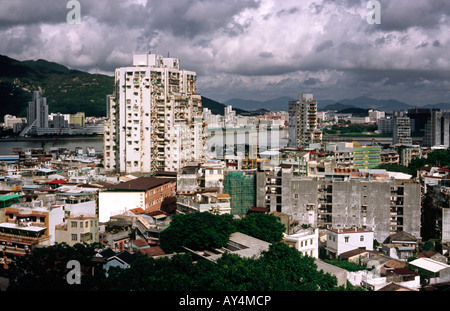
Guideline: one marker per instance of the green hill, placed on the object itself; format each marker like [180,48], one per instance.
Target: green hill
[66,90]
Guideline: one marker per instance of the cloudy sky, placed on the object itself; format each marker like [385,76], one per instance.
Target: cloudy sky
[253,49]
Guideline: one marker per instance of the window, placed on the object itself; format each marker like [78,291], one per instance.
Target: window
[74,237]
[346,239]
[361,238]
[73,224]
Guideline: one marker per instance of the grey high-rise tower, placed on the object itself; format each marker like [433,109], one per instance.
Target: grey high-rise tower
[303,122]
[37,114]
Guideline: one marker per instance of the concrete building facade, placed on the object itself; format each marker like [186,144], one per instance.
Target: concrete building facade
[155,118]
[383,205]
[402,129]
[303,122]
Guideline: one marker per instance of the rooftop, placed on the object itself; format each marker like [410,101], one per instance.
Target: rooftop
[429,264]
[141,184]
[349,230]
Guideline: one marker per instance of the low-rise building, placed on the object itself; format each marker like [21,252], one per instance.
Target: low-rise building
[207,201]
[341,240]
[148,193]
[434,271]
[27,226]
[78,229]
[305,241]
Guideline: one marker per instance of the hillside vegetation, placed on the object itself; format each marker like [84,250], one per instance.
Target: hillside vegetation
[66,90]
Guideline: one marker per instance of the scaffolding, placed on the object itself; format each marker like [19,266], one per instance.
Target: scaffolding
[240,185]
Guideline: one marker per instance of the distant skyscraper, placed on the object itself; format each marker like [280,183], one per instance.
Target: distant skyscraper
[37,114]
[155,117]
[303,122]
[402,129]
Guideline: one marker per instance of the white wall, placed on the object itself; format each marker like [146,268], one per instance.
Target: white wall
[342,245]
[113,203]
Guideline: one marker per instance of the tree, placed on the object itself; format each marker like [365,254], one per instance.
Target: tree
[197,231]
[46,269]
[281,268]
[265,227]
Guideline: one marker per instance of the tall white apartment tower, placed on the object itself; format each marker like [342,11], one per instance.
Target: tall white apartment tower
[303,122]
[154,117]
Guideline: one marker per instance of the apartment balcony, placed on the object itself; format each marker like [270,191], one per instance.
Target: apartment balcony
[14,242]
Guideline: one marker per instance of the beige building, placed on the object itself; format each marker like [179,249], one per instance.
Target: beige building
[80,229]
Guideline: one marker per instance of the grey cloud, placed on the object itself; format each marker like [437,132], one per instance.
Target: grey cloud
[324,45]
[25,12]
[436,43]
[292,10]
[311,81]
[265,55]
[187,18]
[401,15]
[422,45]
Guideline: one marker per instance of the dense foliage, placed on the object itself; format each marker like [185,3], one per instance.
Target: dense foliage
[198,231]
[281,268]
[45,268]
[265,227]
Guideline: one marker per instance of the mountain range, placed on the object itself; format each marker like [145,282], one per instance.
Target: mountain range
[71,91]
[281,103]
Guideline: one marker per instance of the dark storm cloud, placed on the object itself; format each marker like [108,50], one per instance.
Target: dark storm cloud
[401,15]
[26,12]
[187,18]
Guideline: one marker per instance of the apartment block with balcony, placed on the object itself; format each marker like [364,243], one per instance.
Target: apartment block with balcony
[332,200]
[402,128]
[303,122]
[207,201]
[155,120]
[28,225]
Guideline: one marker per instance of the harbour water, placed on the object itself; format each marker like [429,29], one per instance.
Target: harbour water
[216,138]
[69,143]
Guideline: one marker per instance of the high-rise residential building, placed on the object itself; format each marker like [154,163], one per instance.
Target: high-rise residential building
[433,124]
[154,117]
[37,114]
[402,129]
[303,122]
[437,129]
[386,125]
